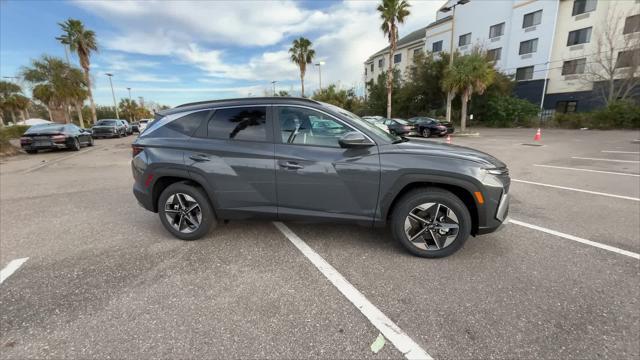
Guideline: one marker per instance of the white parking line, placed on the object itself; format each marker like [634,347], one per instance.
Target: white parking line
[610,160]
[620,152]
[578,190]
[587,170]
[575,238]
[409,348]
[11,267]
[57,160]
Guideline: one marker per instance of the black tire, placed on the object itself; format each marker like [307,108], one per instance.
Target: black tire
[426,133]
[424,195]
[75,144]
[122,134]
[31,151]
[90,143]
[208,222]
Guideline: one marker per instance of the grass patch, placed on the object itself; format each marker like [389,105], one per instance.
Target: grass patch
[7,133]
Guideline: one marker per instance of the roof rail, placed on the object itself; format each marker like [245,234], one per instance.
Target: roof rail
[247,98]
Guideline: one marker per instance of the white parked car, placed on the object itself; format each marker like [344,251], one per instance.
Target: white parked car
[143,124]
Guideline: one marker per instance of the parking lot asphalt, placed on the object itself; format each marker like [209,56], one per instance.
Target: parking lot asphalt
[104,279]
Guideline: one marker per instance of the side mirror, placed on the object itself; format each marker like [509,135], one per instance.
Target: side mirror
[354,139]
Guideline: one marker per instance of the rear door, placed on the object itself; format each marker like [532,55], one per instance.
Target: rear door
[315,176]
[233,152]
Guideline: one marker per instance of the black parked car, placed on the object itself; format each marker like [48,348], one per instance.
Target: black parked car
[400,127]
[55,136]
[109,128]
[203,162]
[426,126]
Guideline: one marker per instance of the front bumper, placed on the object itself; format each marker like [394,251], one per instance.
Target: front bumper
[495,223]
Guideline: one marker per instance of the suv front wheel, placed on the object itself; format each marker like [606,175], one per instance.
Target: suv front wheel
[431,222]
[185,211]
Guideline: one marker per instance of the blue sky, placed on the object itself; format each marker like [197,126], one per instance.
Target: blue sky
[172,52]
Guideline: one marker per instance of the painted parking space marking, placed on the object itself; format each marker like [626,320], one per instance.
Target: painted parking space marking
[587,170]
[620,152]
[11,267]
[45,164]
[576,238]
[578,190]
[610,160]
[409,348]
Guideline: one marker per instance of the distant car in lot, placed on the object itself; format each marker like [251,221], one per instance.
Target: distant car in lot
[128,127]
[298,159]
[135,126]
[377,121]
[109,128]
[400,127]
[143,123]
[427,126]
[55,136]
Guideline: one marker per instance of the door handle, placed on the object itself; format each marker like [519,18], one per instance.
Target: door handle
[290,165]
[199,157]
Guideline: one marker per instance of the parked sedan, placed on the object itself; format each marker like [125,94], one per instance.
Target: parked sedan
[400,127]
[128,128]
[55,136]
[376,121]
[109,128]
[426,126]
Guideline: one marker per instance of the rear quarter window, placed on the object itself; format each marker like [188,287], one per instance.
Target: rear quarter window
[184,126]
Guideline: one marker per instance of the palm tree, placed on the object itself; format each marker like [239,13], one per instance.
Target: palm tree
[129,108]
[22,103]
[7,100]
[83,42]
[44,94]
[58,83]
[302,54]
[467,75]
[392,13]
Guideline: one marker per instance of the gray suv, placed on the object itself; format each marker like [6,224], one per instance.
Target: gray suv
[297,159]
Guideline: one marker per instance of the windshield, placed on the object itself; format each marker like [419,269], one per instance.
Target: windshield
[401,121]
[363,123]
[106,123]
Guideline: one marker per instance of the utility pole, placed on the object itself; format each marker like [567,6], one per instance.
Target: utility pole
[453,28]
[115,105]
[133,116]
[319,65]
[274,86]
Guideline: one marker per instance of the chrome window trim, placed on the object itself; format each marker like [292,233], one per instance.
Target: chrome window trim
[329,115]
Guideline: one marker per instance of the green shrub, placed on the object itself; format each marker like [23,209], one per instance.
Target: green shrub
[618,115]
[12,132]
[507,111]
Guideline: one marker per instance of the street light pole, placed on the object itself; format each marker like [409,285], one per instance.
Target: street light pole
[453,28]
[319,65]
[274,87]
[133,117]
[115,105]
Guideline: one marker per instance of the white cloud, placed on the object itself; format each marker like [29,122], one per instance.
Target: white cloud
[201,33]
[141,77]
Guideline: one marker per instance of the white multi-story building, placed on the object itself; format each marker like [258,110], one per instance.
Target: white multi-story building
[531,40]
[407,47]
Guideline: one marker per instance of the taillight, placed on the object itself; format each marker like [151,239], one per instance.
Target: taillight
[26,140]
[136,149]
[58,138]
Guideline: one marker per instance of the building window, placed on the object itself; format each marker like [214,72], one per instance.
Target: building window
[365,71]
[380,63]
[583,6]
[524,73]
[566,106]
[436,46]
[397,58]
[528,47]
[532,19]
[632,24]
[494,54]
[417,52]
[496,30]
[572,67]
[629,58]
[581,36]
[371,68]
[464,39]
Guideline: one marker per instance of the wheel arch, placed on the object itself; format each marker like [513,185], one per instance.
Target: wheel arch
[164,181]
[459,188]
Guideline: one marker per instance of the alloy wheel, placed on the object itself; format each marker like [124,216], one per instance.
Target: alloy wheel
[426,133]
[431,226]
[183,213]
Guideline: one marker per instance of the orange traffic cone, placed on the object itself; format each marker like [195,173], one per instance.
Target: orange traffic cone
[448,139]
[538,136]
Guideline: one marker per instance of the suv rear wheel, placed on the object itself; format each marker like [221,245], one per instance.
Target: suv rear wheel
[185,211]
[431,222]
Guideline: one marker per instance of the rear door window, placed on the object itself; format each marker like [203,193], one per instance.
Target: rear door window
[240,123]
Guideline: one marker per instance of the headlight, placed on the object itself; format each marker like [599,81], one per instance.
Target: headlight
[498,171]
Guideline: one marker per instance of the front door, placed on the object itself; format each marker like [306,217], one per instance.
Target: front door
[315,177]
